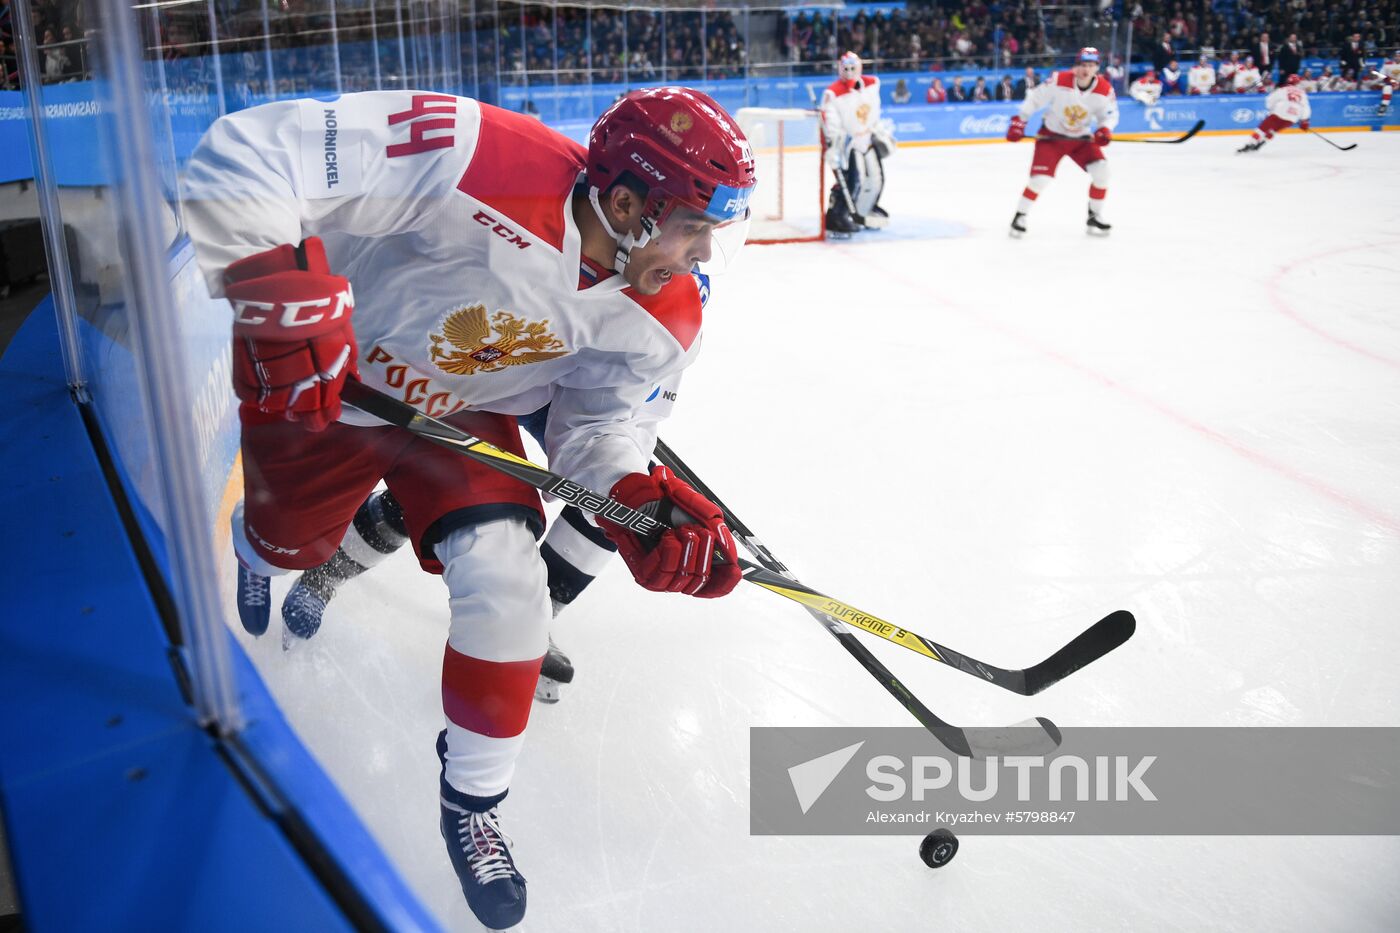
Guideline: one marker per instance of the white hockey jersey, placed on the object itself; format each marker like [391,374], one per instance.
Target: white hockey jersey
[452,221]
[1289,103]
[1247,79]
[1146,90]
[1070,111]
[1201,79]
[851,111]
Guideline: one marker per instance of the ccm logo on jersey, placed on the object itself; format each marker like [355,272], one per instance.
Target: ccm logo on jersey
[647,167]
[501,230]
[294,313]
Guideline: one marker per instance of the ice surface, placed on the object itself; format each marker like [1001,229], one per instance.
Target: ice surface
[995,442]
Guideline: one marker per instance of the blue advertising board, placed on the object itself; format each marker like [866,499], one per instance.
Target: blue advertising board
[71,112]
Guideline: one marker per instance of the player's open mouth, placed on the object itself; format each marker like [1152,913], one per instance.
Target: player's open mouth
[664,275]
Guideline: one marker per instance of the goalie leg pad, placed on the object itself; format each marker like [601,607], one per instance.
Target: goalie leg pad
[872,185]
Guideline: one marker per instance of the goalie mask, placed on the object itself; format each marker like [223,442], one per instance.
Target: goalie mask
[687,153]
[848,67]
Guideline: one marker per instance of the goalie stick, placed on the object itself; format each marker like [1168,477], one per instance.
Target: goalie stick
[1093,643]
[1032,737]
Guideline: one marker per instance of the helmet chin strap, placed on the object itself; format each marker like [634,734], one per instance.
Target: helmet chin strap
[626,242]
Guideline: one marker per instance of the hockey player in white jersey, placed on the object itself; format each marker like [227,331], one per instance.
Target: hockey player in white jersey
[1386,81]
[1201,78]
[857,145]
[1288,105]
[466,231]
[1080,114]
[1147,89]
[574,551]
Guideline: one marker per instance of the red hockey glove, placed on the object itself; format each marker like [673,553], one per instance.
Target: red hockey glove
[682,561]
[1103,136]
[292,342]
[1017,130]
[1303,125]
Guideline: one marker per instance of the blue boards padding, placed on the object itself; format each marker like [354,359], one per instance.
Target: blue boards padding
[120,812]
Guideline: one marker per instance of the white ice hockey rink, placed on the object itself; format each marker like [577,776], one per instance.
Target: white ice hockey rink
[994,442]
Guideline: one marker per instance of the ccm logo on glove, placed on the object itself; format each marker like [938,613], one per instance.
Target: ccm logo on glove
[293,346]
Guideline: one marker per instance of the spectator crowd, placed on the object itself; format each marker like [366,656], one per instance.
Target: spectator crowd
[1200,47]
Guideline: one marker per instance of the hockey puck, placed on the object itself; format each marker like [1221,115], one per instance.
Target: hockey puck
[938,848]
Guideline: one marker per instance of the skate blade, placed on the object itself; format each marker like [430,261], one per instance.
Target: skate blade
[1093,231]
[1015,234]
[834,235]
[547,690]
[290,639]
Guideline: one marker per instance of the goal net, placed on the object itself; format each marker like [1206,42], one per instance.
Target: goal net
[788,204]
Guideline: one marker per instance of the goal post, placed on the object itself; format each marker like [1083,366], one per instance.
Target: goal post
[788,203]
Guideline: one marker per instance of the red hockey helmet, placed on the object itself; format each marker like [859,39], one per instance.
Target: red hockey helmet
[681,145]
[848,66]
[1292,80]
[1087,54]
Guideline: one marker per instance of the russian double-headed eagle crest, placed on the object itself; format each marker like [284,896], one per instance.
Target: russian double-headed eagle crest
[863,114]
[1075,116]
[681,122]
[472,351]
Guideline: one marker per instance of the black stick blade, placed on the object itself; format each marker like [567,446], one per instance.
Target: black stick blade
[1091,644]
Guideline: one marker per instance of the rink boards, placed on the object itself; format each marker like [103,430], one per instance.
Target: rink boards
[72,115]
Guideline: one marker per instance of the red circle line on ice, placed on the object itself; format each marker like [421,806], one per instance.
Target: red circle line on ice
[1319,486]
[1274,288]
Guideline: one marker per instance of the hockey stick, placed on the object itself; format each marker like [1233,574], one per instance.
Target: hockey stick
[1168,142]
[1329,142]
[846,194]
[1032,737]
[1093,643]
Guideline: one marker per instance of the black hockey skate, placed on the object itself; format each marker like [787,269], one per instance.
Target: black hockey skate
[1095,226]
[254,597]
[1018,225]
[555,669]
[840,223]
[480,853]
[1251,146]
[378,530]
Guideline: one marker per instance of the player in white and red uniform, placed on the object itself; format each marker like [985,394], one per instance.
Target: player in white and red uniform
[1225,74]
[574,551]
[1073,100]
[1247,77]
[1147,89]
[1201,78]
[1287,105]
[1388,78]
[856,147]
[465,230]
